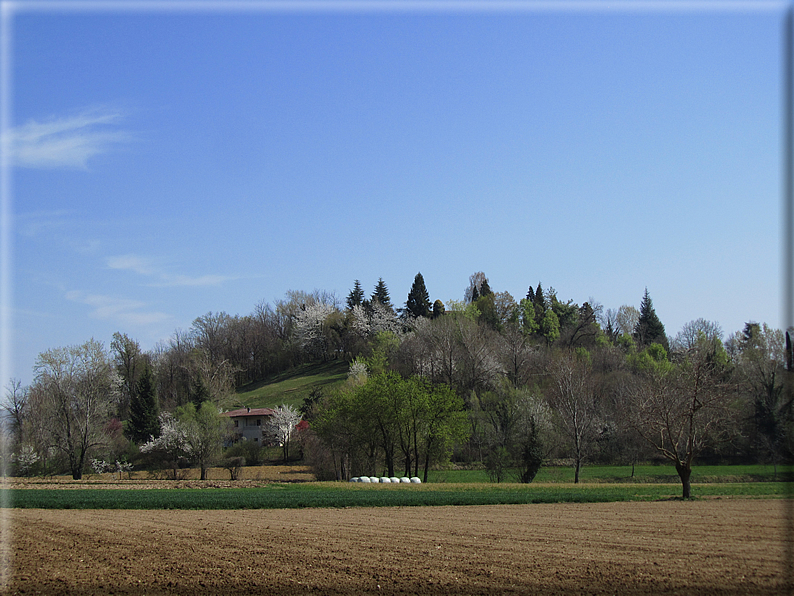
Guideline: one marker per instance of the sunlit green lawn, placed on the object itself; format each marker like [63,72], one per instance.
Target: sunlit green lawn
[292,387]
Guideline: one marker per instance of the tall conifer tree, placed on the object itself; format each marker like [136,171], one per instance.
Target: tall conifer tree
[198,391]
[649,329]
[356,296]
[539,302]
[381,293]
[144,409]
[418,303]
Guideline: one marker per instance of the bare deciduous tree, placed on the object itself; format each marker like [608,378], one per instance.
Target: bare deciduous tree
[516,355]
[627,318]
[76,390]
[677,407]
[571,395]
[687,338]
[129,362]
[15,405]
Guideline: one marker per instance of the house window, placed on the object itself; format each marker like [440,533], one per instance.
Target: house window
[259,422]
[256,440]
[236,423]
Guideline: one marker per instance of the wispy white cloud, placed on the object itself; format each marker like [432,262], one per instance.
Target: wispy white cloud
[162,279]
[185,280]
[66,142]
[122,310]
[131,263]
[34,223]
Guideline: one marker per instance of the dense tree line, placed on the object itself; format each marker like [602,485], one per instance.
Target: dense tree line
[486,380]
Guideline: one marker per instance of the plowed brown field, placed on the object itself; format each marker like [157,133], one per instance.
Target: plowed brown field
[701,547]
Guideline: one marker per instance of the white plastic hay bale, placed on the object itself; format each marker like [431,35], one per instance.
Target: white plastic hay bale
[394,479]
[354,479]
[364,479]
[416,480]
[405,480]
[374,479]
[385,480]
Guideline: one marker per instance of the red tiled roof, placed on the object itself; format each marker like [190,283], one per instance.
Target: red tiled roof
[244,412]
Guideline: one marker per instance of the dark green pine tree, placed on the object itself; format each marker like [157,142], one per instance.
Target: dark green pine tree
[649,329]
[418,303]
[485,288]
[381,293]
[539,303]
[438,309]
[144,409]
[198,391]
[356,296]
[531,296]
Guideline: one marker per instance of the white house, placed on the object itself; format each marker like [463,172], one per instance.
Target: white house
[248,422]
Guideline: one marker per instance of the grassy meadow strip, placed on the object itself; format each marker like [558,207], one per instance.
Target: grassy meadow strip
[290,496]
[655,474]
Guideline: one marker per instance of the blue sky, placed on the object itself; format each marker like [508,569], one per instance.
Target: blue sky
[171,163]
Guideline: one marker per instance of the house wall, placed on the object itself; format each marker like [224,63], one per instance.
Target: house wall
[249,427]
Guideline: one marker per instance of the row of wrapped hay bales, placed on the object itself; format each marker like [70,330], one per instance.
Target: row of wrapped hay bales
[386,480]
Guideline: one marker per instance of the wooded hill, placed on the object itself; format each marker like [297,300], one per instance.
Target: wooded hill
[520,381]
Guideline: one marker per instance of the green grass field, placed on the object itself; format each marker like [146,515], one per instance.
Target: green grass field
[642,474]
[316,494]
[291,387]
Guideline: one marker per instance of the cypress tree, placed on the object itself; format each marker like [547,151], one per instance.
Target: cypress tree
[539,302]
[144,409]
[485,288]
[418,303]
[649,329]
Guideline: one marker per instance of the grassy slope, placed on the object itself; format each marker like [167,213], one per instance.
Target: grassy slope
[292,386]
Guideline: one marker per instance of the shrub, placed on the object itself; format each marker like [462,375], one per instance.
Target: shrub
[250,451]
[25,461]
[318,457]
[497,462]
[234,465]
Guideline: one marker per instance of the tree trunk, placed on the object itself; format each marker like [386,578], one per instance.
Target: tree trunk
[77,466]
[203,472]
[389,462]
[576,471]
[684,472]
